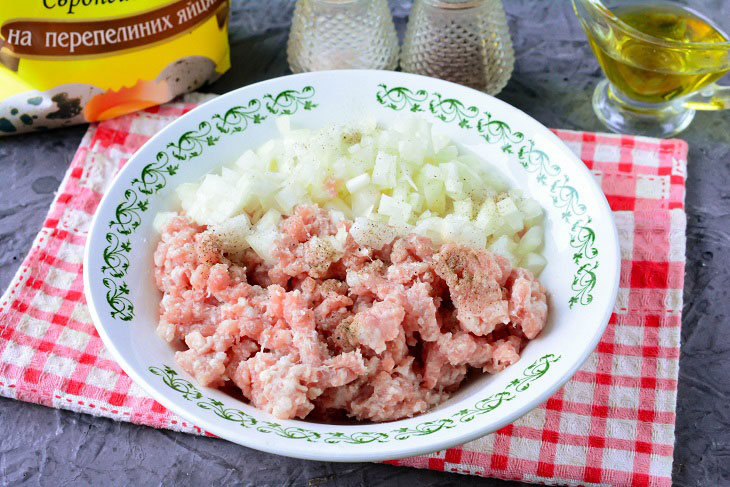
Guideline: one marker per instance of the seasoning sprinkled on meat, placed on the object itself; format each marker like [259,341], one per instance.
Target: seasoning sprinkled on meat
[334,326]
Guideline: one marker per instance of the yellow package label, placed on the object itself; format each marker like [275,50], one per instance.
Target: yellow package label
[71,61]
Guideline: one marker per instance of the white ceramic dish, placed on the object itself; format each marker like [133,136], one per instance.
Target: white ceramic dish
[581,248]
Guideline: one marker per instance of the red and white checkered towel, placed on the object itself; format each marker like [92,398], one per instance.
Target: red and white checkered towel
[613,423]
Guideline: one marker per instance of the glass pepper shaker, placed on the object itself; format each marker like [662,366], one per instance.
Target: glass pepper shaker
[464,41]
[342,34]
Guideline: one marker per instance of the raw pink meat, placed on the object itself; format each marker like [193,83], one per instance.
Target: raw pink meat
[341,329]
[476,279]
[527,303]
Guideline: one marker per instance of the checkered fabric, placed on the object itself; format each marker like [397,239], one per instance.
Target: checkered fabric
[613,423]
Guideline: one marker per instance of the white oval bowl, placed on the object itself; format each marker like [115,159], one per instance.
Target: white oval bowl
[581,247]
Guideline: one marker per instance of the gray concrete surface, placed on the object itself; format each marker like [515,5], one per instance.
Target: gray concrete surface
[553,80]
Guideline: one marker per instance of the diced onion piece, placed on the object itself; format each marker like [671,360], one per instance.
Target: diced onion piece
[364,153]
[186,193]
[534,263]
[446,154]
[215,201]
[388,140]
[332,242]
[372,233]
[229,174]
[431,186]
[511,216]
[464,208]
[337,205]
[530,241]
[355,167]
[260,189]
[491,178]
[289,196]
[384,170]
[270,219]
[431,227]
[460,230]
[412,151]
[341,170]
[487,219]
[259,184]
[262,242]
[435,195]
[249,160]
[472,236]
[405,174]
[378,217]
[473,177]
[531,211]
[398,210]
[365,201]
[401,191]
[452,228]
[232,233]
[268,152]
[429,172]
[505,247]
[482,192]
[441,142]
[358,182]
[263,234]
[162,219]
[452,180]
[400,227]
[238,224]
[416,201]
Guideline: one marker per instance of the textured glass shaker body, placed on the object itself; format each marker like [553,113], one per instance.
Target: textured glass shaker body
[464,41]
[342,34]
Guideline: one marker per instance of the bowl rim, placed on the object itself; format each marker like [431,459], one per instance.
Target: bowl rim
[458,437]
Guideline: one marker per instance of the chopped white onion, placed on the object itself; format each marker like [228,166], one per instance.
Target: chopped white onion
[358,182]
[384,170]
[372,233]
[530,241]
[392,180]
[534,263]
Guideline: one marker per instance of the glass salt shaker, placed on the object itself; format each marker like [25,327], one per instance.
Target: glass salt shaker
[342,34]
[464,41]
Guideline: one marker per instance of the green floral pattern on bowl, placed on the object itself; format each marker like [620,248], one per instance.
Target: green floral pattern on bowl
[191,393]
